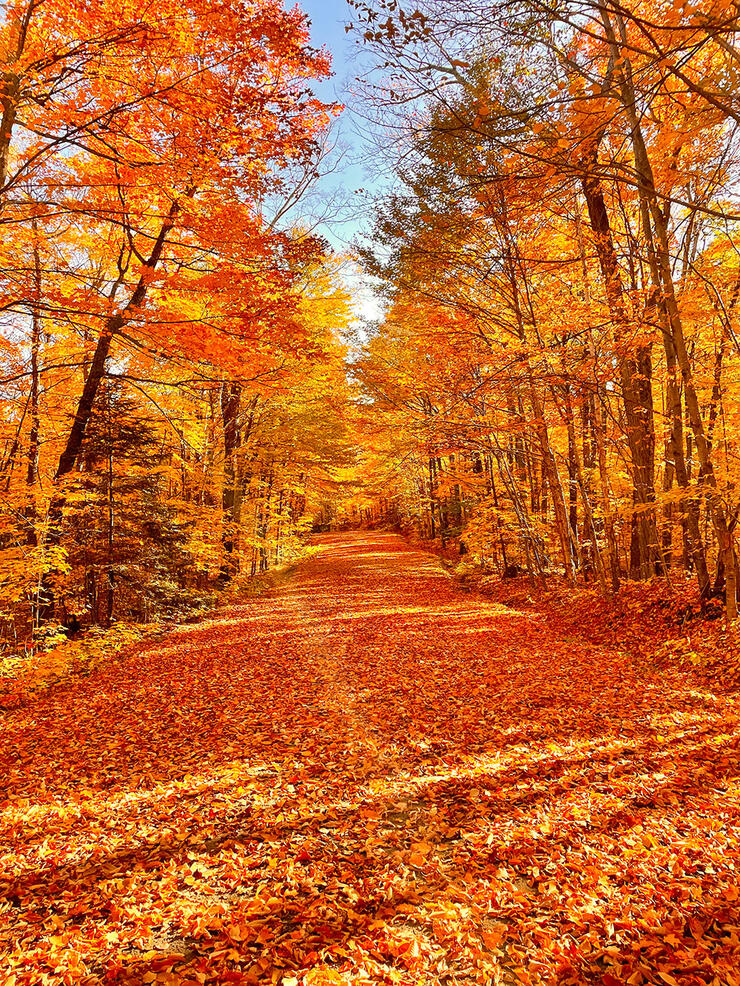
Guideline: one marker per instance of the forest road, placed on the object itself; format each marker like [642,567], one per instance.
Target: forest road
[369,776]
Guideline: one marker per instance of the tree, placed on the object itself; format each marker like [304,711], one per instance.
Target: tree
[580,153]
[146,157]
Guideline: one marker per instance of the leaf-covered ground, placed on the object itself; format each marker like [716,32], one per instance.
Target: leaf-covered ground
[368,776]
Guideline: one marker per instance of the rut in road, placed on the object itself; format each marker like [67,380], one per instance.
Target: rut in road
[370,776]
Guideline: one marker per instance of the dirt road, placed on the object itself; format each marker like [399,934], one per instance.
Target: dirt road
[369,776]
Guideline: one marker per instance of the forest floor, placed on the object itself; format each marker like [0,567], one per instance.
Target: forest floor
[369,776]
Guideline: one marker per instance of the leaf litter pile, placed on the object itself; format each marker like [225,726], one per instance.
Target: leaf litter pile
[368,776]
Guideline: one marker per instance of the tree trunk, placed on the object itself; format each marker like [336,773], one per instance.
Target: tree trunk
[230,502]
[549,465]
[109,602]
[68,459]
[35,432]
[580,479]
[635,375]
[10,83]
[661,243]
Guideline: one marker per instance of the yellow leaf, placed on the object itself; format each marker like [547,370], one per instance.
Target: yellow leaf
[323,977]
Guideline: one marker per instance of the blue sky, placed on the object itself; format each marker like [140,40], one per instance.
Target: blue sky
[347,186]
[328,18]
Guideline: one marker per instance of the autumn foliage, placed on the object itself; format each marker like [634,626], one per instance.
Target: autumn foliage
[558,370]
[169,342]
[244,738]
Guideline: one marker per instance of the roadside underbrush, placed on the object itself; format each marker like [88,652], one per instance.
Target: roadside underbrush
[58,657]
[657,621]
